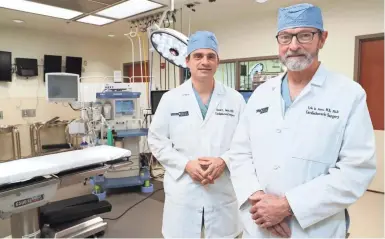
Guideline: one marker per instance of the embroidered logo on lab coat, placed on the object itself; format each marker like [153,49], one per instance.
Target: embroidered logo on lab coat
[262,110]
[180,114]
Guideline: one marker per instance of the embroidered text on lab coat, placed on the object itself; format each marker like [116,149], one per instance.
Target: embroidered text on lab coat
[227,112]
[327,112]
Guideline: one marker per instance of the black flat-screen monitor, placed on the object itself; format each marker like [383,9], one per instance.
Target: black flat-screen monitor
[5,66]
[52,64]
[155,99]
[74,65]
[26,67]
[246,94]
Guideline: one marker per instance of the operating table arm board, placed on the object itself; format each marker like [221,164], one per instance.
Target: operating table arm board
[28,168]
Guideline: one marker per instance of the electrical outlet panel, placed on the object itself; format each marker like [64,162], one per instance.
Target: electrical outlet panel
[28,113]
[1,115]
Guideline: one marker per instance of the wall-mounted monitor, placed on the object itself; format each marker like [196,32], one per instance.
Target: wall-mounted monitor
[52,64]
[26,67]
[5,66]
[74,65]
[155,99]
[62,87]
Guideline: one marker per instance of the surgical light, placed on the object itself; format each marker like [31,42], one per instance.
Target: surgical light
[170,44]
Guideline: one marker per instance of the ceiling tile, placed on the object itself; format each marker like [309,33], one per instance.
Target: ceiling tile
[77,5]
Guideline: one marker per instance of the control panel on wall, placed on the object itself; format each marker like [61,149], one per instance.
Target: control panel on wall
[5,66]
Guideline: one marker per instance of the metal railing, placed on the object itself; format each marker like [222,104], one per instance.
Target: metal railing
[15,135]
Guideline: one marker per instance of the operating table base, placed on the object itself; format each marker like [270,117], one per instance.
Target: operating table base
[26,224]
[79,229]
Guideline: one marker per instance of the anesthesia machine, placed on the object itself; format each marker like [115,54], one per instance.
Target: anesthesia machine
[122,125]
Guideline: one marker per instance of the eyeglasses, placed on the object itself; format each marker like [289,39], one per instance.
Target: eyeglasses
[302,37]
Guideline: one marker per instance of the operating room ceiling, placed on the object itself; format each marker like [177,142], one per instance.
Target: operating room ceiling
[206,13]
[73,26]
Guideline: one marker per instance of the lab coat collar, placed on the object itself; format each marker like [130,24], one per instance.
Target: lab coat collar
[317,80]
[319,76]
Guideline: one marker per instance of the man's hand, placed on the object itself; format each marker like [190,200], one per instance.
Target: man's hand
[254,195]
[280,230]
[194,169]
[269,210]
[214,167]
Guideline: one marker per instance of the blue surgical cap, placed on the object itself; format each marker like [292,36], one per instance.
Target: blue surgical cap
[300,15]
[202,40]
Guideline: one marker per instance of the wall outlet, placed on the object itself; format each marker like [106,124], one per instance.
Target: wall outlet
[28,113]
[1,115]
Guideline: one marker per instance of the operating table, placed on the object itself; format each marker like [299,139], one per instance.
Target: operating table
[28,185]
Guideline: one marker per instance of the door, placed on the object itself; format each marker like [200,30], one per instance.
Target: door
[371,77]
[140,69]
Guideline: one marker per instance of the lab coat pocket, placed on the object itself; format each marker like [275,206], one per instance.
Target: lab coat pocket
[224,222]
[317,140]
[307,170]
[180,133]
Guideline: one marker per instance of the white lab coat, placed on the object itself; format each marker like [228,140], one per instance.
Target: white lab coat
[178,134]
[320,154]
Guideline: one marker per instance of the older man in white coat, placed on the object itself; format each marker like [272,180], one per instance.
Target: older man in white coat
[304,149]
[193,125]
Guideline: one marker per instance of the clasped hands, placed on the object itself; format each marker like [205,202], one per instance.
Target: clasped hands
[205,169]
[269,212]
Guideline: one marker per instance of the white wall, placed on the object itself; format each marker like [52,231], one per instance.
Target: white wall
[253,36]
[103,57]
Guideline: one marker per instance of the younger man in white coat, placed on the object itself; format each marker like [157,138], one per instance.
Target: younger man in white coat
[304,149]
[193,125]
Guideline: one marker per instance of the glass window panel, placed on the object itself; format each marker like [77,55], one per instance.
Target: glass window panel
[258,72]
[226,74]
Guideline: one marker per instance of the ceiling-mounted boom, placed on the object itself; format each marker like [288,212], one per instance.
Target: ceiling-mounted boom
[169,43]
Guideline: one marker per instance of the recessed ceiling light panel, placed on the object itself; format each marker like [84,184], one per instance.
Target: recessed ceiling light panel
[95,20]
[129,9]
[38,8]
[18,21]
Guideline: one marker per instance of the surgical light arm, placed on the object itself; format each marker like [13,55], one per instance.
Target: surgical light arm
[170,44]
